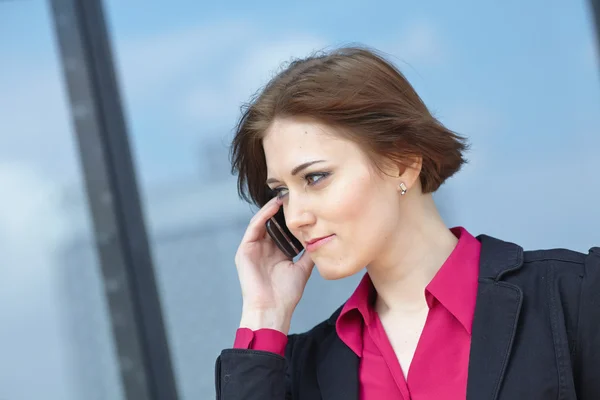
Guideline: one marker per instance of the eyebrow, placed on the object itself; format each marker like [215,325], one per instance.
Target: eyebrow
[297,169]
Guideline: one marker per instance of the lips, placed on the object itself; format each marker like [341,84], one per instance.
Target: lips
[316,240]
[316,243]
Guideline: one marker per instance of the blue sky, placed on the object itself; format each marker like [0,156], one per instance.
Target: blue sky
[520,79]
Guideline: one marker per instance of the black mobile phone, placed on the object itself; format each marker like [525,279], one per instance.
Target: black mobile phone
[281,235]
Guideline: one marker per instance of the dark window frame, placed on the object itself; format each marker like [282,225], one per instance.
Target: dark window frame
[110,179]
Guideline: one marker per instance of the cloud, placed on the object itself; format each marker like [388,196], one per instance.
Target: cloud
[207,72]
[32,225]
[219,98]
[35,123]
[32,229]
[153,64]
[420,43]
[214,99]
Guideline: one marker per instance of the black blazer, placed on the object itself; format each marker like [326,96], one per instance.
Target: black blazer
[535,336]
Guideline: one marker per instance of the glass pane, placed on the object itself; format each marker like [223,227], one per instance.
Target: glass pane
[525,90]
[55,337]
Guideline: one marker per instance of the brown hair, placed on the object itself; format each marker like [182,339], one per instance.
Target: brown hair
[357,90]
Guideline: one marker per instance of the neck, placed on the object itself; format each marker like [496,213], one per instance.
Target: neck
[411,259]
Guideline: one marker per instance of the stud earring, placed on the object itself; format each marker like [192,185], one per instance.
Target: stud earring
[403,188]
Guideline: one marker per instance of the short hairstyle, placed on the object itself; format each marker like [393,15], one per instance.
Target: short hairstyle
[358,91]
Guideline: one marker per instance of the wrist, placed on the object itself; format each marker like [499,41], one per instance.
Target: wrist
[266,319]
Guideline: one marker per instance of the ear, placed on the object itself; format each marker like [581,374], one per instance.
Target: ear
[409,171]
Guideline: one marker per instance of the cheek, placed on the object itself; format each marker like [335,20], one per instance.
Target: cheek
[356,215]
[367,213]
[361,207]
[350,200]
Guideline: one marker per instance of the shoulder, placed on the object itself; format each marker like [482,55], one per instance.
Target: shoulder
[560,263]
[502,260]
[558,257]
[556,272]
[564,278]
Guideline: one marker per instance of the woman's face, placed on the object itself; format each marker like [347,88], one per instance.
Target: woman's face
[331,191]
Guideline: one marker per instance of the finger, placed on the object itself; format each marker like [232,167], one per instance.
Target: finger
[256,229]
[305,263]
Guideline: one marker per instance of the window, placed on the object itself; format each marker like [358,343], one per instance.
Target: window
[56,341]
[525,91]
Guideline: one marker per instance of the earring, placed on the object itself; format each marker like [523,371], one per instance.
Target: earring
[403,188]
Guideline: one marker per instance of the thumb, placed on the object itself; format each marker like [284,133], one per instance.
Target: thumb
[305,263]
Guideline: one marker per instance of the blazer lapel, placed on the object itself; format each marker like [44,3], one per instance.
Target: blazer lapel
[337,370]
[495,321]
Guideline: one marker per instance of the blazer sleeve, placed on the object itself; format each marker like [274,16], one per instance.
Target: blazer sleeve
[247,374]
[588,342]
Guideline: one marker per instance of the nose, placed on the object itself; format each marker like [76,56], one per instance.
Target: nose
[297,214]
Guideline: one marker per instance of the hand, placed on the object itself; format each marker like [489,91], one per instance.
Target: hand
[271,283]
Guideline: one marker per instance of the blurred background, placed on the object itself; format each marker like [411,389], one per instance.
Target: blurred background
[520,79]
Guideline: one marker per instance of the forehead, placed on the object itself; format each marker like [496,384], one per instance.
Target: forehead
[297,131]
[289,142]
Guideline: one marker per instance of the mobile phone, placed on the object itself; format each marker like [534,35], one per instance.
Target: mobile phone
[281,235]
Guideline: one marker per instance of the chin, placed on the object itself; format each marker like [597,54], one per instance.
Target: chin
[332,271]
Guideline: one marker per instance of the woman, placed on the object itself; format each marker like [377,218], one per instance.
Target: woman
[343,143]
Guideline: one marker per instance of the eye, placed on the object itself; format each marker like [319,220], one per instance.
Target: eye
[315,178]
[311,179]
